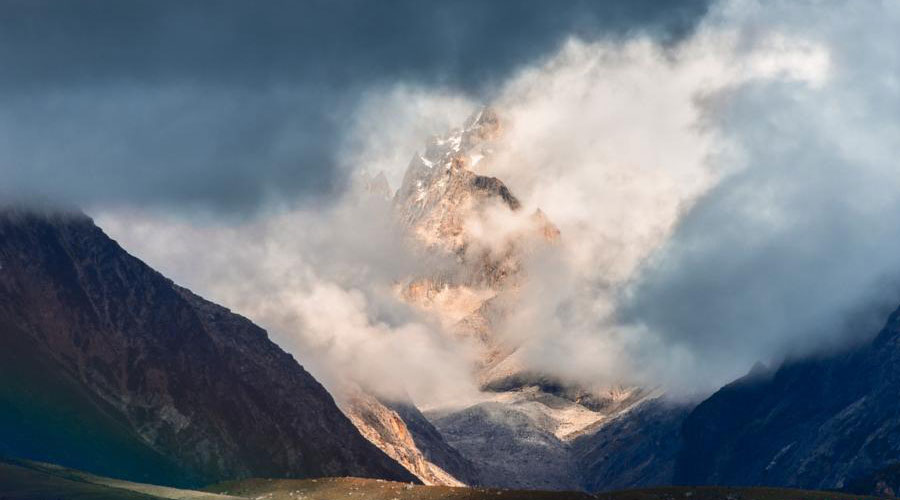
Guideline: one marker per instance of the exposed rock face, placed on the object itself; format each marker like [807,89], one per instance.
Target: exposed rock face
[108,366]
[816,424]
[440,190]
[433,445]
[509,446]
[440,201]
[388,430]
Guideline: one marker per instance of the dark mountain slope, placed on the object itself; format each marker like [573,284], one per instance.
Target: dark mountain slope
[109,366]
[814,424]
[635,449]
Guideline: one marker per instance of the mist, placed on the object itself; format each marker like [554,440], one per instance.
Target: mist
[725,200]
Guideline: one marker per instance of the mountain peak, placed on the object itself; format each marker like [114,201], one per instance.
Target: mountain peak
[483,125]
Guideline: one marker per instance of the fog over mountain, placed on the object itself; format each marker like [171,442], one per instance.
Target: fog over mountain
[725,187]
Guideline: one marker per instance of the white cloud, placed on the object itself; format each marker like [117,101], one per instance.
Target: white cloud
[727,200]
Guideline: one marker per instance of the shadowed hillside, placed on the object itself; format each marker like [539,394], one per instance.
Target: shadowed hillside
[108,366]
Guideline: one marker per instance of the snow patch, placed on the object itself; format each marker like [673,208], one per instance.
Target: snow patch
[421,193]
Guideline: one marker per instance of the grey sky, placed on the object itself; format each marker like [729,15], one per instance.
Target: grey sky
[229,104]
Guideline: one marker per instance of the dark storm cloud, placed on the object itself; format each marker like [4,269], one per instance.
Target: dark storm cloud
[229,103]
[458,42]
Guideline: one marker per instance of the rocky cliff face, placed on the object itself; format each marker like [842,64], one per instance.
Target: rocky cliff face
[434,447]
[825,423]
[109,366]
[403,433]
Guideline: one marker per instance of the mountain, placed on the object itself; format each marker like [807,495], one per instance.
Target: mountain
[634,449]
[521,431]
[831,422]
[509,446]
[108,366]
[440,200]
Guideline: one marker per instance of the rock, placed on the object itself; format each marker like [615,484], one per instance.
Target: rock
[421,452]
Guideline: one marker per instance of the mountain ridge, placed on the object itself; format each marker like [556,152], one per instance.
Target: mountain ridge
[825,422]
[183,380]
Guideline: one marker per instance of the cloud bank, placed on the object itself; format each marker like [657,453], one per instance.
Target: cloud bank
[728,199]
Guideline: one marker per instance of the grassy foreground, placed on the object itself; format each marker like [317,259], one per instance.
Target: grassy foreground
[369,489]
[351,488]
[26,480]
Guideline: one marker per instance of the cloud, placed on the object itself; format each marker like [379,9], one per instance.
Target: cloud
[237,107]
[617,142]
[793,253]
[724,200]
[321,280]
[392,123]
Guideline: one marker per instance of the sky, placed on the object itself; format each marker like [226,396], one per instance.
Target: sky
[234,106]
[723,174]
